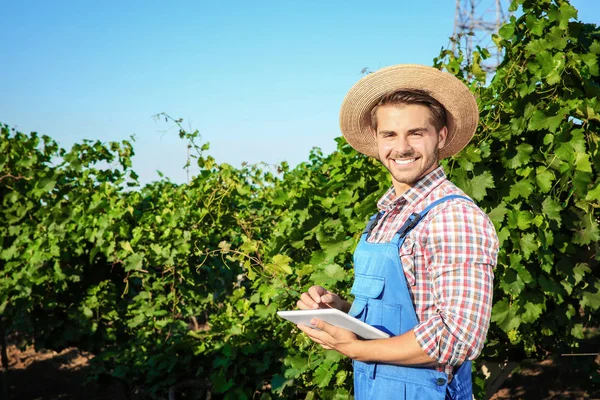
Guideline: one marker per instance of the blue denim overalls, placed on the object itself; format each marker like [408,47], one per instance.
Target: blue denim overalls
[382,300]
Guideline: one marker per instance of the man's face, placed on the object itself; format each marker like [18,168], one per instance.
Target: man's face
[408,143]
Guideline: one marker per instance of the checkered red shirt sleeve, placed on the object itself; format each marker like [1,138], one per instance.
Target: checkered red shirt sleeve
[460,253]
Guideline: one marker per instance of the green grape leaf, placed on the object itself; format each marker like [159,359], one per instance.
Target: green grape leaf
[577,331]
[591,298]
[506,31]
[582,162]
[528,244]
[504,315]
[323,374]
[544,179]
[512,282]
[497,214]
[580,270]
[593,194]
[588,232]
[524,151]
[552,209]
[530,312]
[330,275]
[279,383]
[134,262]
[281,263]
[480,184]
[522,188]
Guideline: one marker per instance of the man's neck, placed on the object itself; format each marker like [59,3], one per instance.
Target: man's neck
[400,188]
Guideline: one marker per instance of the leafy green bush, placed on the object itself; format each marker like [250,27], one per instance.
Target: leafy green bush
[171,283]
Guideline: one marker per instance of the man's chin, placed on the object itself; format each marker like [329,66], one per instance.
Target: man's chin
[406,179]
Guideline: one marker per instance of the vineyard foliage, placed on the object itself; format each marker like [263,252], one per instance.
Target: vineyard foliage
[170,283]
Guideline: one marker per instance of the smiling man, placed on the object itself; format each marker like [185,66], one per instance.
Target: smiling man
[424,265]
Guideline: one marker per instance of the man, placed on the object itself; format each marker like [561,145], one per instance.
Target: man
[423,267]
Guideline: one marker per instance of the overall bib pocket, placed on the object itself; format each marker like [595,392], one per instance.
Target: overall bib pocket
[370,304]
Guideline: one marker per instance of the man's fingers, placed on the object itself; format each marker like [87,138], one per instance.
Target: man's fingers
[301,305]
[316,292]
[312,333]
[322,325]
[327,335]
[307,302]
[328,299]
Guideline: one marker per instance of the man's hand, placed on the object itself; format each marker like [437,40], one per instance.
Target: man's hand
[331,337]
[319,297]
[399,350]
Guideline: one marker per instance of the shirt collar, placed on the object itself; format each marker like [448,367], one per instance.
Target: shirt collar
[415,194]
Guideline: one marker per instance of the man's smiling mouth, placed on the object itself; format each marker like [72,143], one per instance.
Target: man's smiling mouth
[405,161]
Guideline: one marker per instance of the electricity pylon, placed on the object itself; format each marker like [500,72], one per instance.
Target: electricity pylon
[474,23]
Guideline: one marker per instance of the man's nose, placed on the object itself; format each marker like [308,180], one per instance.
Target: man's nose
[402,146]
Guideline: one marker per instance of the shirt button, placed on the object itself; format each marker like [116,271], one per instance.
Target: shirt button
[440,381]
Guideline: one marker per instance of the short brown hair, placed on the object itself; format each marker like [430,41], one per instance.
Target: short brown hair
[421,97]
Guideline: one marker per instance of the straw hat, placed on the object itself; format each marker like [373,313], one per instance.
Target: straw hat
[461,107]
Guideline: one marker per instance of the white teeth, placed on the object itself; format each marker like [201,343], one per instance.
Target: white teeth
[404,162]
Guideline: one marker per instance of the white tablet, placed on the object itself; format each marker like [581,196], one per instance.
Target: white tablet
[334,317]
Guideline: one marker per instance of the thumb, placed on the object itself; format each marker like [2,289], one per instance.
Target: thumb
[332,300]
[319,324]
[326,298]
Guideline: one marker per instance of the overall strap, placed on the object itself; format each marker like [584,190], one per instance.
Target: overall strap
[414,218]
[372,223]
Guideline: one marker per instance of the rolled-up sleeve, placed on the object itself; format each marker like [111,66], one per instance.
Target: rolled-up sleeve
[460,254]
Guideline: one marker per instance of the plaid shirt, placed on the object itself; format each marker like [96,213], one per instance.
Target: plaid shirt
[448,260]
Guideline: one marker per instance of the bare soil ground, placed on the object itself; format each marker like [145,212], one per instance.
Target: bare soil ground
[46,375]
[552,379]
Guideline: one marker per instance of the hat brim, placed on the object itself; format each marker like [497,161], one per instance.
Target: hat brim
[461,107]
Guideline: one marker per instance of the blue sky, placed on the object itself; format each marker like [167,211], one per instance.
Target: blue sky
[260,80]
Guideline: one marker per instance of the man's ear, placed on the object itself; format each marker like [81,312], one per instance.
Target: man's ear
[442,136]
